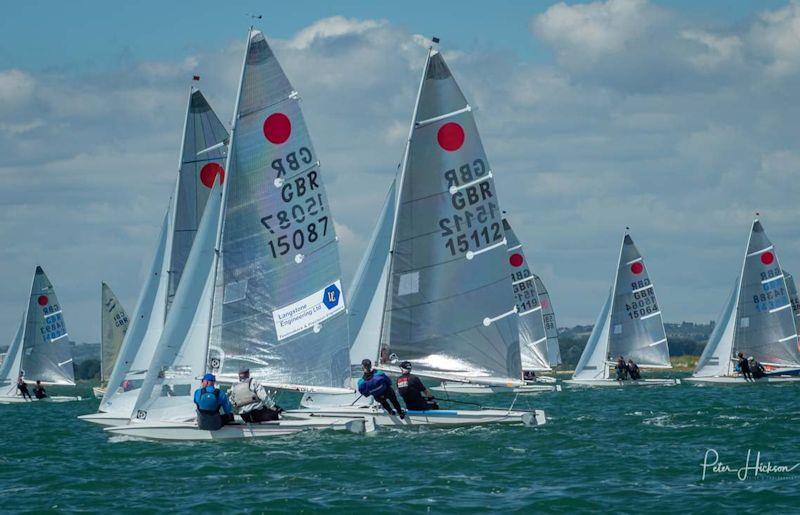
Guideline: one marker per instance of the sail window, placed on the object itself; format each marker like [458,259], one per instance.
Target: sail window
[235,292]
[409,283]
[618,329]
[744,322]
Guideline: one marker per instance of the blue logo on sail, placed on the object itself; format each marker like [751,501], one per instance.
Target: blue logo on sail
[330,297]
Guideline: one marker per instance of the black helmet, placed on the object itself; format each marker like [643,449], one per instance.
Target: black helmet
[405,365]
[366,363]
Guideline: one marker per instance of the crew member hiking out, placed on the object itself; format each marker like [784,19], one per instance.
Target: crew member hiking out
[209,400]
[413,392]
[39,391]
[377,384]
[23,387]
[251,401]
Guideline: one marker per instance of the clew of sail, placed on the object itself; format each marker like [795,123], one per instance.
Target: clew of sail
[637,330]
[532,336]
[113,325]
[550,327]
[449,306]
[278,304]
[765,327]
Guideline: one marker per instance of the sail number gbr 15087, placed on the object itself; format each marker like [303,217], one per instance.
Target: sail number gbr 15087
[304,218]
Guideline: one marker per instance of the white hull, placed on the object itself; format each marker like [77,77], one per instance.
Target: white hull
[188,431]
[98,392]
[622,384]
[105,419]
[741,380]
[482,389]
[16,399]
[424,418]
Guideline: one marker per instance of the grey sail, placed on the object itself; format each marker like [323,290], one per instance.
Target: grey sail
[450,306]
[113,326]
[765,327]
[793,296]
[278,303]
[550,326]
[199,168]
[637,330]
[532,337]
[369,288]
[12,361]
[47,355]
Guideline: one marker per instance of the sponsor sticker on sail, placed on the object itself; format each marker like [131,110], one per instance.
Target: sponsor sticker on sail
[308,312]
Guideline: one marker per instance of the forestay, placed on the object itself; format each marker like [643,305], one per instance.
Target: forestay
[113,325]
[449,307]
[765,327]
[46,354]
[532,337]
[278,303]
[550,327]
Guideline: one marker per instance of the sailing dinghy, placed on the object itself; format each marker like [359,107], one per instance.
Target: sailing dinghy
[113,325]
[40,350]
[434,287]
[758,320]
[261,288]
[629,325]
[532,333]
[201,161]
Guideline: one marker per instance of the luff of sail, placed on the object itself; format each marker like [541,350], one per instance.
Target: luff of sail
[532,337]
[637,329]
[278,303]
[199,169]
[550,326]
[47,356]
[449,307]
[765,327]
[113,326]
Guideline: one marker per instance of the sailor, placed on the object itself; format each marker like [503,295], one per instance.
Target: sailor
[633,370]
[209,399]
[744,367]
[23,387]
[413,392]
[39,391]
[622,369]
[377,384]
[756,368]
[251,400]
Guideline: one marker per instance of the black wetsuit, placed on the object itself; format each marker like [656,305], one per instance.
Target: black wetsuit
[744,366]
[411,389]
[758,370]
[23,389]
[622,371]
[633,371]
[39,392]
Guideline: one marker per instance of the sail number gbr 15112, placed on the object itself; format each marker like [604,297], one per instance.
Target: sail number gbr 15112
[469,228]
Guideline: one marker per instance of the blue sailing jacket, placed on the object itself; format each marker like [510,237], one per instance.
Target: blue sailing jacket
[374,383]
[210,400]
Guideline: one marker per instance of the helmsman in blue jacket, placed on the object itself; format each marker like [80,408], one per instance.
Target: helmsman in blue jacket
[378,384]
[209,399]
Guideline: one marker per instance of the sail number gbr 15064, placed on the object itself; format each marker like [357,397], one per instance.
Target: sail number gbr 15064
[303,220]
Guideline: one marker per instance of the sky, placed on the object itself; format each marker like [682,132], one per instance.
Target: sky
[679,119]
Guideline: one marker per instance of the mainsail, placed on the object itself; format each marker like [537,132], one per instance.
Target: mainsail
[532,336]
[278,305]
[550,327]
[793,296]
[630,324]
[198,171]
[113,325]
[766,324]
[448,306]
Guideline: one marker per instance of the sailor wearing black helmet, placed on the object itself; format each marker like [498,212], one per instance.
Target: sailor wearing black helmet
[378,384]
[251,401]
[413,392]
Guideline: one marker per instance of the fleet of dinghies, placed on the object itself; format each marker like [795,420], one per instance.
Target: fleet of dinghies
[246,275]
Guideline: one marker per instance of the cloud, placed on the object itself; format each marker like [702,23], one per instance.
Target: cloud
[646,118]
